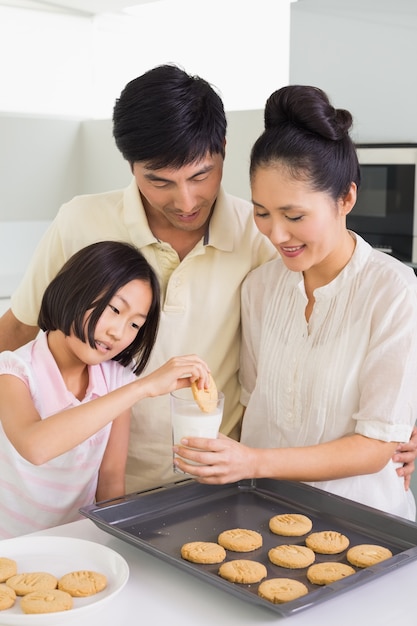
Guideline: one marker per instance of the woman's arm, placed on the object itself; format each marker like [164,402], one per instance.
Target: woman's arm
[111,477]
[39,440]
[225,460]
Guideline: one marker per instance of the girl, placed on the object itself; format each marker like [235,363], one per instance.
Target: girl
[329,353]
[65,397]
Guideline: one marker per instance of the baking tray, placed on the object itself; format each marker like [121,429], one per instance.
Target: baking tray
[159,521]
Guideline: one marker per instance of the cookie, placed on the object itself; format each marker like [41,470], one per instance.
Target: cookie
[290,524]
[8,568]
[365,555]
[291,556]
[327,542]
[243,571]
[207,397]
[326,573]
[7,597]
[82,583]
[280,590]
[47,601]
[31,581]
[240,540]
[203,552]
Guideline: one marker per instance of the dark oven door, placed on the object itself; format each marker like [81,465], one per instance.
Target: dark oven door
[383,214]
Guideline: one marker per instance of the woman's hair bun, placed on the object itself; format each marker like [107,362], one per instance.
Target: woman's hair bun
[309,109]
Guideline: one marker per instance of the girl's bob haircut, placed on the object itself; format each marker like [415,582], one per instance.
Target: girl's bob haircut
[82,289]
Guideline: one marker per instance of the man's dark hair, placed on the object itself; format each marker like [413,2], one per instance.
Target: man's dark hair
[168,118]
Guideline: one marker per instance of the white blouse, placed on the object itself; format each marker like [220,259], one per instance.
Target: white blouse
[351,369]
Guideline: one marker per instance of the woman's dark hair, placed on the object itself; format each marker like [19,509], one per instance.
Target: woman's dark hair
[87,282]
[310,137]
[168,118]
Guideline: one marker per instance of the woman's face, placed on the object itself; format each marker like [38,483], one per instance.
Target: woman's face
[307,227]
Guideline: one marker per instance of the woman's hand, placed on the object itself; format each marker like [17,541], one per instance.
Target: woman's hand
[223,460]
[178,372]
[406,454]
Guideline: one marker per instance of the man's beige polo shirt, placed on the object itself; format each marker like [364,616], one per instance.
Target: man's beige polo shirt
[200,302]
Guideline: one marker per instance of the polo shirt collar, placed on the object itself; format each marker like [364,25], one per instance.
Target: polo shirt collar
[218,230]
[221,223]
[135,216]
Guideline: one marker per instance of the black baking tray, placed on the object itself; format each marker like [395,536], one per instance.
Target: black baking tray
[160,520]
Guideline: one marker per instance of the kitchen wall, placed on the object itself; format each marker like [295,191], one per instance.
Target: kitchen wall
[46,161]
[40,164]
[40,167]
[363,58]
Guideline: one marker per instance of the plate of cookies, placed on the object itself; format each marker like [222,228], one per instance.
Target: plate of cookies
[46,578]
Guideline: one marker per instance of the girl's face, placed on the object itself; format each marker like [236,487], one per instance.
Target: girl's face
[307,227]
[118,325]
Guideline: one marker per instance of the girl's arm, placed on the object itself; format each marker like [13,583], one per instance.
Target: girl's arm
[225,460]
[111,476]
[39,440]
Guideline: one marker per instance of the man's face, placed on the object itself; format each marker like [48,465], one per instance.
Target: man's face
[182,197]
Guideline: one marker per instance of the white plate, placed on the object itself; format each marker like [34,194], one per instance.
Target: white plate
[58,556]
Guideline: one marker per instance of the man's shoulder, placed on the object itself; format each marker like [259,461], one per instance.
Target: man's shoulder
[93,202]
[100,215]
[236,213]
[236,202]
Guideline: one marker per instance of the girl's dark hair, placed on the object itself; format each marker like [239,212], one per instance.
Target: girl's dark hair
[87,282]
[168,118]
[310,137]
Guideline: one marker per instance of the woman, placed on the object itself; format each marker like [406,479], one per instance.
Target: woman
[329,353]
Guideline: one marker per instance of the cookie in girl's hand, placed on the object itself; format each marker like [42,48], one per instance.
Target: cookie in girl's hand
[207,397]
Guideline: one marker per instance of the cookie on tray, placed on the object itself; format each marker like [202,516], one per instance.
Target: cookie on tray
[203,552]
[82,583]
[243,571]
[326,573]
[48,601]
[365,555]
[7,597]
[8,568]
[327,542]
[291,556]
[280,590]
[290,524]
[240,540]
[31,581]
[207,397]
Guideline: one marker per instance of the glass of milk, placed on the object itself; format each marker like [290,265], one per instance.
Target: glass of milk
[188,420]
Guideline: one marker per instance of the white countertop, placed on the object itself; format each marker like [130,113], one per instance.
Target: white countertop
[163,593]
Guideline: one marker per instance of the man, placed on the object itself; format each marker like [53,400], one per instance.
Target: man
[171,129]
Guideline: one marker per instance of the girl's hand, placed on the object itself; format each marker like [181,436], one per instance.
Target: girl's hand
[178,372]
[223,460]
